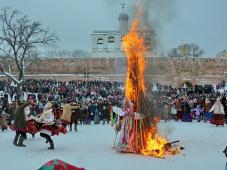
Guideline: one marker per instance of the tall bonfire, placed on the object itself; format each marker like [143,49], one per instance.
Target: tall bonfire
[143,136]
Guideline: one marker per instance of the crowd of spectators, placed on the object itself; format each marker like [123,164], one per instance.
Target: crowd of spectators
[95,99]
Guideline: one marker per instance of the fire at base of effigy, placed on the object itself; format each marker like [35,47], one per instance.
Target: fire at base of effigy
[137,133]
[137,126]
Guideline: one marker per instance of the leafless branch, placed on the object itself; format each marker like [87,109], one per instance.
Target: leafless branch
[20,37]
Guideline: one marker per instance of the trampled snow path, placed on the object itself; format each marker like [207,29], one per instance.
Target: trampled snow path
[91,148]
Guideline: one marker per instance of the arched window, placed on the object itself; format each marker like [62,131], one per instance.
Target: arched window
[148,42]
[100,43]
[111,39]
[111,42]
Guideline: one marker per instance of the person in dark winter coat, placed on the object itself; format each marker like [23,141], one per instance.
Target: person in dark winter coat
[105,112]
[96,116]
[20,123]
[186,114]
[224,103]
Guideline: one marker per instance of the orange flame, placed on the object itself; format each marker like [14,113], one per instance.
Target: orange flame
[135,49]
[154,144]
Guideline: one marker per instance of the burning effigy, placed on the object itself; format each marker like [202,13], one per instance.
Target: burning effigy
[136,127]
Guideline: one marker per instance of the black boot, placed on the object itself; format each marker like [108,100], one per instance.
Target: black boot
[16,139]
[48,140]
[51,144]
[45,136]
[4,128]
[75,128]
[25,137]
[21,140]
[70,127]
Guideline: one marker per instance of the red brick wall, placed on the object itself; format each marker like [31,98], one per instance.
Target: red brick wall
[174,71]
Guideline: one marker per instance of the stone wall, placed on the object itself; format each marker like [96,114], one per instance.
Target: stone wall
[174,71]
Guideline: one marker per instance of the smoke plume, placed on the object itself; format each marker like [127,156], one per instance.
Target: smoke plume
[155,15]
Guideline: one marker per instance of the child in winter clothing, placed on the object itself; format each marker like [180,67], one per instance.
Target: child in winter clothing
[197,111]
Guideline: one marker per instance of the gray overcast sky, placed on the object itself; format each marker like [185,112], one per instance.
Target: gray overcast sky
[198,21]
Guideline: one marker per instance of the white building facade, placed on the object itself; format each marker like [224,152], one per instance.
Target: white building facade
[109,43]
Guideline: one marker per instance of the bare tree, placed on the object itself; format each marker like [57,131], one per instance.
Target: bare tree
[222,54]
[80,54]
[186,50]
[59,53]
[196,51]
[20,39]
[77,53]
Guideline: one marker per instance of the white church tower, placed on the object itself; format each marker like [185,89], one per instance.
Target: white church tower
[123,21]
[108,43]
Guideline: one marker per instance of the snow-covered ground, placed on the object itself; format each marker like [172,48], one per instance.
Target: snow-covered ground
[91,148]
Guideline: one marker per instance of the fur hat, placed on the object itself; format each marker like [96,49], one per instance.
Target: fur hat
[48,106]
